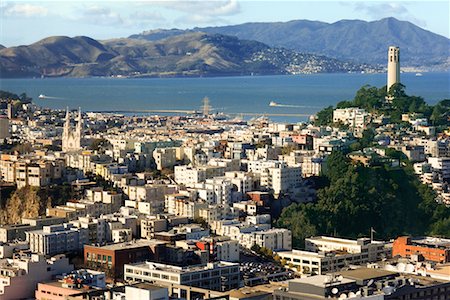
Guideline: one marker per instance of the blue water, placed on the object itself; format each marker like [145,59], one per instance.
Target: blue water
[227,94]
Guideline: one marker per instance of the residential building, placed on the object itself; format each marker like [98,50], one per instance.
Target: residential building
[218,276]
[71,284]
[165,158]
[21,275]
[354,117]
[57,239]
[369,250]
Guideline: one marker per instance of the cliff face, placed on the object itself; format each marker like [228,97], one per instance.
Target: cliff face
[25,202]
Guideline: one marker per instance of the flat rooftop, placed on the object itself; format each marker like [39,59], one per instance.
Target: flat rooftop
[322,281]
[366,273]
[432,241]
[176,269]
[146,286]
[130,245]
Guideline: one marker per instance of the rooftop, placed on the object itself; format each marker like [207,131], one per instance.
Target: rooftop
[323,280]
[432,241]
[176,269]
[366,274]
[130,245]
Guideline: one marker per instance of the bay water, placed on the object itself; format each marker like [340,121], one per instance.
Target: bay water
[296,94]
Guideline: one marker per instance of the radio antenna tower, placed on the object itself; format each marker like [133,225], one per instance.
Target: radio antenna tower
[206,106]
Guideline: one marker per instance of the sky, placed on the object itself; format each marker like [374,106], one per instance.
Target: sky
[24,22]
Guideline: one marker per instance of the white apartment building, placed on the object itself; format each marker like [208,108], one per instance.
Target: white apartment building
[215,190]
[281,180]
[275,175]
[250,234]
[228,164]
[258,219]
[145,291]
[244,182]
[151,197]
[182,205]
[189,176]
[312,166]
[107,197]
[318,263]
[219,276]
[121,235]
[275,239]
[217,212]
[57,239]
[165,158]
[441,166]
[20,275]
[352,116]
[96,228]
[225,250]
[192,231]
[375,250]
[152,224]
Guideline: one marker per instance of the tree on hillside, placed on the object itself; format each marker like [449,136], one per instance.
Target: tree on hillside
[324,117]
[392,201]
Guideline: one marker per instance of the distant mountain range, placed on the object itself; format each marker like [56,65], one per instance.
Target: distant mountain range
[185,54]
[299,46]
[355,40]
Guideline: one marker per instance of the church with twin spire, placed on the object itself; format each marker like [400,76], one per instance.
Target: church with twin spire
[71,138]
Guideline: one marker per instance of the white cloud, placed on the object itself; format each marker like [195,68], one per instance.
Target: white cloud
[147,15]
[209,8]
[198,12]
[98,15]
[23,10]
[378,10]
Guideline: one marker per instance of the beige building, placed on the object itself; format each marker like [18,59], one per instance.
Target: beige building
[25,172]
[165,158]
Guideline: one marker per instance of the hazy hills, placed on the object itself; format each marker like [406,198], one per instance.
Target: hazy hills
[186,54]
[355,40]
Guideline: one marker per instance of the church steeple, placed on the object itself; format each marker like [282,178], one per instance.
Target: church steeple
[71,139]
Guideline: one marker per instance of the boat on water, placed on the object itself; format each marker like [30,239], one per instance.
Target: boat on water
[41,96]
[419,74]
[273,103]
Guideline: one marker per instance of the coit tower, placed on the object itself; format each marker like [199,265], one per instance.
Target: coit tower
[393,70]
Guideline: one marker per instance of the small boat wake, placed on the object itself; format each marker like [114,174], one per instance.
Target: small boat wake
[42,96]
[272,103]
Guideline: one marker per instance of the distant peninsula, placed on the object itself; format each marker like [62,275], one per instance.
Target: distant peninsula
[191,54]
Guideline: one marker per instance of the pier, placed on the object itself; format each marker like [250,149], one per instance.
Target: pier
[191,112]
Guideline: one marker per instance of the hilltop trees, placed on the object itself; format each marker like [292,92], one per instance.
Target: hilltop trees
[392,201]
[373,100]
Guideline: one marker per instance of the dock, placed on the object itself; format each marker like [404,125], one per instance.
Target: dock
[190,112]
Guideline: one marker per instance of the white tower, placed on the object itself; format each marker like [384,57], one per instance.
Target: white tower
[71,139]
[393,70]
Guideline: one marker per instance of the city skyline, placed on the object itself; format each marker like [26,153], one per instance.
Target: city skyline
[25,22]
